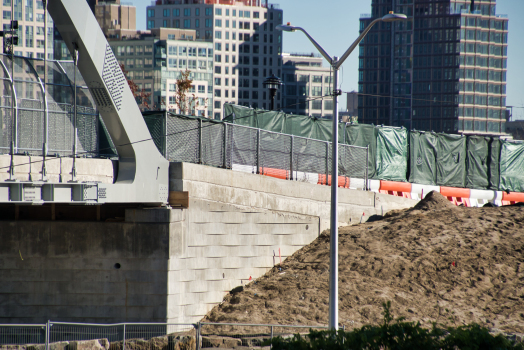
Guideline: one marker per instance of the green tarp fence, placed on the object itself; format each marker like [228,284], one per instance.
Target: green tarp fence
[392,154]
[511,166]
[494,163]
[363,135]
[477,160]
[423,157]
[451,160]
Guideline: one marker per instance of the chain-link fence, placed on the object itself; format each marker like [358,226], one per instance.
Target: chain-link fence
[146,336]
[208,142]
[37,110]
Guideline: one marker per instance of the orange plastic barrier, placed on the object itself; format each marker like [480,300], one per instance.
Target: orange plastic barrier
[342,180]
[456,195]
[278,173]
[395,188]
[512,198]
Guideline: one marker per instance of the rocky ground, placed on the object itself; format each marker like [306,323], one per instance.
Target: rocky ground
[434,262]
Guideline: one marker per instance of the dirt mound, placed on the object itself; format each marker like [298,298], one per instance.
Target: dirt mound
[451,266]
[434,201]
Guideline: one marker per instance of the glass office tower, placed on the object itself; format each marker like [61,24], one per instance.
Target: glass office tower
[443,70]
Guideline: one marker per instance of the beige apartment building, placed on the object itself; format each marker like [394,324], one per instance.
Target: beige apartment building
[247,47]
[307,85]
[31,29]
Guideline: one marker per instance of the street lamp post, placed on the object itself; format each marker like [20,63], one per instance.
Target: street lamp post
[335,63]
[272,83]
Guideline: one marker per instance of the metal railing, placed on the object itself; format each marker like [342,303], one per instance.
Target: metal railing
[147,336]
[231,146]
[37,110]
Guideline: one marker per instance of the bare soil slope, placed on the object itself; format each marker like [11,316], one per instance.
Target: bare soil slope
[434,262]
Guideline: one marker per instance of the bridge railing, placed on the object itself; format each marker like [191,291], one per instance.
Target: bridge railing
[257,151]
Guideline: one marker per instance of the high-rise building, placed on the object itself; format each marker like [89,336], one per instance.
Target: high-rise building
[247,47]
[31,29]
[444,69]
[306,83]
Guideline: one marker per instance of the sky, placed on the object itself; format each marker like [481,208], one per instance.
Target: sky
[334,25]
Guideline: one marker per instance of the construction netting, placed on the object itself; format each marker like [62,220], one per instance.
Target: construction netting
[479,162]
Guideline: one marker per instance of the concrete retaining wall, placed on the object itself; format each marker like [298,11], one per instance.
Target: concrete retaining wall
[173,264]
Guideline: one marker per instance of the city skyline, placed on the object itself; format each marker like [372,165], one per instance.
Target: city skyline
[339,12]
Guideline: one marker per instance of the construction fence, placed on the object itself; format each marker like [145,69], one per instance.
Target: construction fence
[396,154]
[221,144]
[146,336]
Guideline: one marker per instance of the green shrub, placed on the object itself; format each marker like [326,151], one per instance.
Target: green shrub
[396,335]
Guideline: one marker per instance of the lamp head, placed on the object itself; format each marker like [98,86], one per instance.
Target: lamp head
[286,27]
[390,17]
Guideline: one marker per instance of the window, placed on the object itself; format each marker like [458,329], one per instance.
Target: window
[176,23]
[197,23]
[191,64]
[218,23]
[316,91]
[187,12]
[217,93]
[256,15]
[328,104]
[218,46]
[172,87]
[208,11]
[182,51]
[317,79]
[148,62]
[201,89]
[202,52]
[227,23]
[39,17]
[202,64]
[176,12]
[209,52]
[187,23]
[218,82]
[166,12]
[218,69]
[166,23]
[139,63]
[150,13]
[218,58]
[197,12]
[218,34]
[208,23]
[7,15]
[150,24]
[182,64]
[192,52]
[40,31]
[217,104]
[316,104]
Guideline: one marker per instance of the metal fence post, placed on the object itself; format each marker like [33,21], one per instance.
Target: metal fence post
[224,146]
[258,151]
[198,336]
[291,159]
[124,342]
[366,187]
[327,162]
[164,143]
[271,338]
[200,158]
[47,335]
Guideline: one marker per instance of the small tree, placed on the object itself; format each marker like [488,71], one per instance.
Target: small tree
[140,95]
[186,104]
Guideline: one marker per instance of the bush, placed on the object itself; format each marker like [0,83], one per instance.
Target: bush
[396,335]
